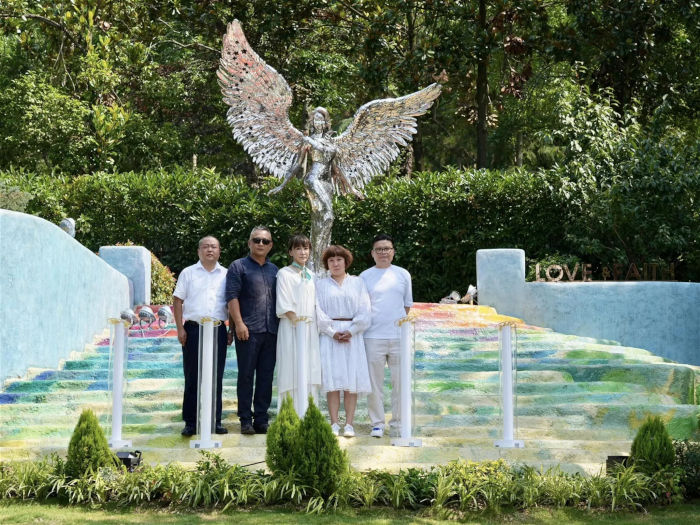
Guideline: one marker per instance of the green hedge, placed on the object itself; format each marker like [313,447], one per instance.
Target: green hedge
[439,220]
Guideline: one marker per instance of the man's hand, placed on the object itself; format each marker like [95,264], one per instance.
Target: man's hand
[242,332]
[182,335]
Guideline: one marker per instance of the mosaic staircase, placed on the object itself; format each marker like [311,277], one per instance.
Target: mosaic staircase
[579,400]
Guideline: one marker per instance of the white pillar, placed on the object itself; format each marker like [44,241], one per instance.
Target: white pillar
[119,338]
[301,330]
[405,382]
[206,384]
[506,350]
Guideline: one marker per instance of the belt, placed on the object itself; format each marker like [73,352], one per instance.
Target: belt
[342,319]
[194,323]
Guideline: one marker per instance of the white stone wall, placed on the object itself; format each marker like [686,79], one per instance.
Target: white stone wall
[659,316]
[55,294]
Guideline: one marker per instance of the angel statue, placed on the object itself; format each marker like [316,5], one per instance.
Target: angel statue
[259,100]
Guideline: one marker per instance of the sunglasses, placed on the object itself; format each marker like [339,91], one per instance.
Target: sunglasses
[258,240]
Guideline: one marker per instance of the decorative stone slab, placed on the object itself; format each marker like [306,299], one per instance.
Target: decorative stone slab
[135,263]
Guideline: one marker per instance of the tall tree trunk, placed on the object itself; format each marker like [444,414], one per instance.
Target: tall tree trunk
[482,88]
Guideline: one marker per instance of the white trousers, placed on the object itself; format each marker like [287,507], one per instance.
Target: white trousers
[381,352]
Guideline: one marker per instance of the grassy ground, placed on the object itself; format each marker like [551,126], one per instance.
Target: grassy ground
[51,513]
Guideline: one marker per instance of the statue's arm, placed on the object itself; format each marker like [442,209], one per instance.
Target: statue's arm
[293,170]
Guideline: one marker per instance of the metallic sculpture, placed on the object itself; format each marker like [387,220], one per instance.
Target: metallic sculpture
[165,316]
[147,316]
[129,316]
[68,226]
[259,100]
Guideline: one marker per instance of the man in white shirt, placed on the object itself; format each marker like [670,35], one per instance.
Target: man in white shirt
[391,294]
[200,292]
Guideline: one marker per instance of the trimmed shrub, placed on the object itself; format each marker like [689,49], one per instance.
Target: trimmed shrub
[282,438]
[318,460]
[652,449]
[441,217]
[88,448]
[688,462]
[162,282]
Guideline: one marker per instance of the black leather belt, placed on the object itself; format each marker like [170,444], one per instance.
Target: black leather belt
[342,319]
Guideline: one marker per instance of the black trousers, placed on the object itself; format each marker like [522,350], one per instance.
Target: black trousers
[190,365]
[256,365]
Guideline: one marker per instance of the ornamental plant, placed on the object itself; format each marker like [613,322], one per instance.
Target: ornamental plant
[88,448]
[652,448]
[317,458]
[282,438]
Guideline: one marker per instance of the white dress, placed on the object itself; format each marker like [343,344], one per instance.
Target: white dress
[343,365]
[298,295]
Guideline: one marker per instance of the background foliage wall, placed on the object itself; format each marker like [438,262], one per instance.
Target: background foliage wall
[439,220]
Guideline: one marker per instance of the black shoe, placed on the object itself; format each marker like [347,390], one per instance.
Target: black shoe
[220,429]
[261,429]
[188,431]
[247,429]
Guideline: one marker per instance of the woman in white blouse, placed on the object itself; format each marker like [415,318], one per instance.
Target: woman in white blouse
[343,312]
[296,297]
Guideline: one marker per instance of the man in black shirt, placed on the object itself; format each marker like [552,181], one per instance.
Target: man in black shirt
[251,296]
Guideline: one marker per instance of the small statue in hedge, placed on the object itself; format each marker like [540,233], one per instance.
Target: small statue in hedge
[652,448]
[88,448]
[259,99]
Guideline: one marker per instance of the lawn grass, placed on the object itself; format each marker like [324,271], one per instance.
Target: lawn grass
[53,513]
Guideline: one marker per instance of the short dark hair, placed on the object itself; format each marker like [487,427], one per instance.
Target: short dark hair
[383,237]
[297,240]
[336,250]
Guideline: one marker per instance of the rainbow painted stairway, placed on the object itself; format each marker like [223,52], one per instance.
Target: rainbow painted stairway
[579,400]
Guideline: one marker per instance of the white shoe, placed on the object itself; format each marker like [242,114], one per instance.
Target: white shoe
[335,427]
[349,431]
[377,432]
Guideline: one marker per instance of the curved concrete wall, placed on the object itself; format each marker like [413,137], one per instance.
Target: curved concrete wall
[663,317]
[55,294]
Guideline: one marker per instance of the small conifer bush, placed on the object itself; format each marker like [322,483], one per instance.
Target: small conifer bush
[318,459]
[88,448]
[652,448]
[282,437]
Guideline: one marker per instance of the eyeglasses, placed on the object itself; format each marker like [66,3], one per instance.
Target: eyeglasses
[383,250]
[258,240]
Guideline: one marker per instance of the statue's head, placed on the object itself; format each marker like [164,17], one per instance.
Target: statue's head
[319,120]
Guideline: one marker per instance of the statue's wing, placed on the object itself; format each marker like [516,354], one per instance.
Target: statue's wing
[371,142]
[259,98]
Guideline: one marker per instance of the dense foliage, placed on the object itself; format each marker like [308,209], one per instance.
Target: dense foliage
[281,439]
[318,460]
[89,85]
[305,450]
[652,448]
[614,207]
[444,491]
[688,463]
[88,450]
[587,116]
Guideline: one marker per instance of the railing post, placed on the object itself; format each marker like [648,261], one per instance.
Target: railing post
[507,392]
[118,340]
[207,384]
[405,381]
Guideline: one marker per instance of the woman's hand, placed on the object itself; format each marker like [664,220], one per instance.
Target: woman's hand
[343,337]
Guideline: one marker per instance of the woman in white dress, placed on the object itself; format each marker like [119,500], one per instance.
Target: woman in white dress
[343,312]
[296,298]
